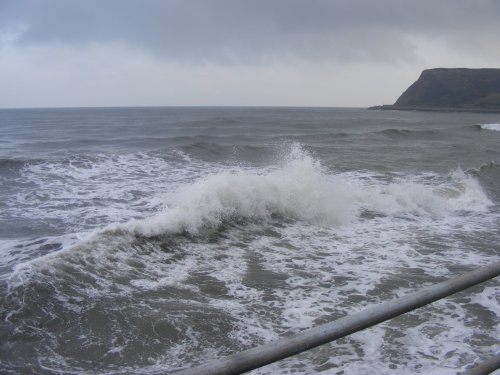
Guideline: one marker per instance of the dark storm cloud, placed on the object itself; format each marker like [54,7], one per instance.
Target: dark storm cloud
[254,31]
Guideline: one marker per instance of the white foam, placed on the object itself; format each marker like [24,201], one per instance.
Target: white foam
[301,190]
[89,192]
[491,127]
[370,229]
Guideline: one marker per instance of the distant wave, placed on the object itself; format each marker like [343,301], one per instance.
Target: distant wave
[490,127]
[209,151]
[321,137]
[16,163]
[206,147]
[477,127]
[400,133]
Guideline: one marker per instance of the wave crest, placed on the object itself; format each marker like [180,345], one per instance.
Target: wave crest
[299,190]
[407,133]
[490,127]
[302,190]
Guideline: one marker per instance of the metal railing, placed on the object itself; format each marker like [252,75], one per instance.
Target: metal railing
[486,367]
[308,339]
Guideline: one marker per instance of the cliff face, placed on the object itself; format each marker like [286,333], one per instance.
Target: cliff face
[453,89]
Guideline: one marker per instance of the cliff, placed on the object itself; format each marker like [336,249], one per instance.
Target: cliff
[457,89]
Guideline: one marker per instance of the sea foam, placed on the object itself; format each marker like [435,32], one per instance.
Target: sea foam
[302,190]
[491,127]
[297,189]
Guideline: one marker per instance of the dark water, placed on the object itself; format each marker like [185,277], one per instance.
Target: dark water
[146,240]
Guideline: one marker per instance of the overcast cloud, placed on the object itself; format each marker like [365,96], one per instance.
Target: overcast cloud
[230,52]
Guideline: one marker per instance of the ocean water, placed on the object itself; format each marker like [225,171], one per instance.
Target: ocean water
[148,240]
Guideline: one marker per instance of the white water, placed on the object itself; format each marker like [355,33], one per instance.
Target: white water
[297,189]
[491,127]
[302,190]
[363,227]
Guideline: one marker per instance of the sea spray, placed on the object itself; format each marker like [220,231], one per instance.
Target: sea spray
[490,127]
[297,191]
[302,190]
[298,188]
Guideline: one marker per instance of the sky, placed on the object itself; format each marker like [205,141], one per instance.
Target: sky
[351,53]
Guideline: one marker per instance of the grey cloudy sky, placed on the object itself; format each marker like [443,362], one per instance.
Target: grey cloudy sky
[234,52]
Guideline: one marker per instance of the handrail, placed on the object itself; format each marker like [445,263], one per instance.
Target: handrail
[274,351]
[486,367]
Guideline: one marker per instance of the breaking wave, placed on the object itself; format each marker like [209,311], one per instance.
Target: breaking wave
[490,127]
[300,189]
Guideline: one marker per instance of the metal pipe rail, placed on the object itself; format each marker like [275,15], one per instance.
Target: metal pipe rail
[486,367]
[308,339]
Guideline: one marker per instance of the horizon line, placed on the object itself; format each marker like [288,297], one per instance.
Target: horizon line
[182,106]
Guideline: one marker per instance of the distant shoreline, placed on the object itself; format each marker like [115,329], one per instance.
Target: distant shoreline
[451,90]
[388,107]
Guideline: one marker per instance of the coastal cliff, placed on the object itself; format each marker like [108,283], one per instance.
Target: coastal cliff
[456,89]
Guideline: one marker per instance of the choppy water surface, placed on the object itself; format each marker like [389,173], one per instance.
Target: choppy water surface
[147,240]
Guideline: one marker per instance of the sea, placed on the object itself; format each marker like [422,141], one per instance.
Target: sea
[150,240]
